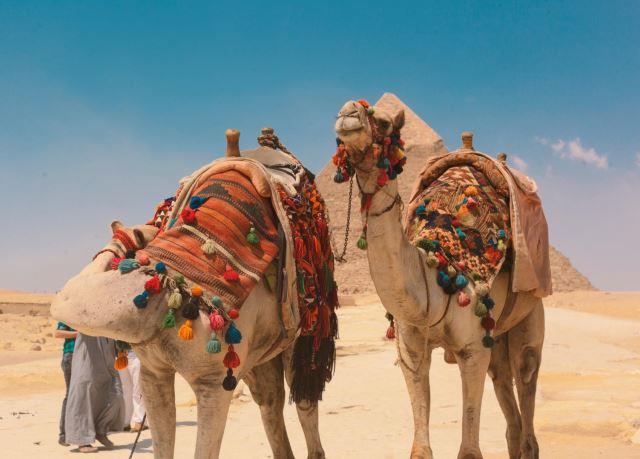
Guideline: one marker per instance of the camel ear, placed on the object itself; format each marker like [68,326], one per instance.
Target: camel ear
[139,235]
[116,225]
[398,120]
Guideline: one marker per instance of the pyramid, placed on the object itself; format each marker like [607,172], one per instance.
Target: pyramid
[421,143]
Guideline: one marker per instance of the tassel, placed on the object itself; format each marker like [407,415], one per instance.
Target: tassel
[461,281]
[169,320]
[488,341]
[488,302]
[121,361]
[153,285]
[209,247]
[216,321]
[186,332]
[216,301]
[231,359]
[230,382]
[451,271]
[362,242]
[213,346]
[463,299]
[161,268]
[482,289]
[196,291]
[233,335]
[432,260]
[115,261]
[488,323]
[141,300]
[191,310]
[127,265]
[252,237]
[188,216]
[391,332]
[230,275]
[480,310]
[234,314]
[196,201]
[143,259]
[175,300]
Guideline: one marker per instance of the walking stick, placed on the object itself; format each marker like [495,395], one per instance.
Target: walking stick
[135,443]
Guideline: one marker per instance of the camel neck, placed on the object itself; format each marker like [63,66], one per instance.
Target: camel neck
[398,269]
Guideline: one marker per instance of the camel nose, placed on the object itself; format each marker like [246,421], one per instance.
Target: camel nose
[349,118]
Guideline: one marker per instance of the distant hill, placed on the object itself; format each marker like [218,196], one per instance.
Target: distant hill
[421,142]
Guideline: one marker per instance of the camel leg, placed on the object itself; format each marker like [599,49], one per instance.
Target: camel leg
[266,383]
[213,406]
[159,398]
[500,372]
[307,414]
[525,352]
[415,361]
[473,361]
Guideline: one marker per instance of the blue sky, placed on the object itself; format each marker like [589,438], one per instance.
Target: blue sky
[104,105]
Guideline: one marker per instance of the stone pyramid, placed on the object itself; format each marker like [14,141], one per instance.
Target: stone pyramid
[421,142]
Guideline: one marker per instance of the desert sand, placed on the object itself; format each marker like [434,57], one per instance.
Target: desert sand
[588,401]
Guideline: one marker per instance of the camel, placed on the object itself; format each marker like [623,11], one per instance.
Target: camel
[97,302]
[409,291]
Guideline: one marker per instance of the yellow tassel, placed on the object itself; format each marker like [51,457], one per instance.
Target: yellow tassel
[122,361]
[186,332]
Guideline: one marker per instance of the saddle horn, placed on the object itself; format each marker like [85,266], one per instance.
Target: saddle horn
[467,140]
[233,143]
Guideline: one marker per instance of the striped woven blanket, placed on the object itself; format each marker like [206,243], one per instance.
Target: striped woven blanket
[224,240]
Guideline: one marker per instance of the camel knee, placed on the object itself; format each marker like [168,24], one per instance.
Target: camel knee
[530,362]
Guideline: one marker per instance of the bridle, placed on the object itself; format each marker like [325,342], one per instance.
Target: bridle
[120,246]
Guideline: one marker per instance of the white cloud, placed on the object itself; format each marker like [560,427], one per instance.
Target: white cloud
[573,149]
[520,163]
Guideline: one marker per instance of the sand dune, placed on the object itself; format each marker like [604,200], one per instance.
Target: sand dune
[588,403]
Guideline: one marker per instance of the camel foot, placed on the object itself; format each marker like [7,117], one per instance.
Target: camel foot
[316,455]
[529,448]
[466,454]
[421,452]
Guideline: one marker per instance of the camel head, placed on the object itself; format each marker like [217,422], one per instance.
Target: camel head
[363,130]
[98,300]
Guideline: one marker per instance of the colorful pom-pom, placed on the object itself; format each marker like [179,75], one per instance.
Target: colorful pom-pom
[488,302]
[231,275]
[451,271]
[216,321]
[488,323]
[471,191]
[216,301]
[143,259]
[175,300]
[196,201]
[362,242]
[169,320]
[461,234]
[432,260]
[122,361]
[140,301]
[188,215]
[209,247]
[213,346]
[234,314]
[115,261]
[391,332]
[461,281]
[480,309]
[233,335]
[443,278]
[464,299]
[421,209]
[482,289]
[127,265]
[231,358]
[442,261]
[179,279]
[191,310]
[196,291]
[186,331]
[502,234]
[230,382]
[161,268]
[153,285]
[488,341]
[252,236]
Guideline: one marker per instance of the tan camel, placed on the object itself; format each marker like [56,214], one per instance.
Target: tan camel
[409,290]
[98,302]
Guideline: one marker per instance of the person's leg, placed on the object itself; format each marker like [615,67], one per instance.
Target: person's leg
[138,402]
[66,371]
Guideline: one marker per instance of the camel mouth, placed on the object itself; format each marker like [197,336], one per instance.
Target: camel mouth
[351,119]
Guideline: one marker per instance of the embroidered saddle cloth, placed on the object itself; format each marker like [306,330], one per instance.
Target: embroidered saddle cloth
[462,220]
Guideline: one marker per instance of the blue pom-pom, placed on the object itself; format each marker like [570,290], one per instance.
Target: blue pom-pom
[161,268]
[196,201]
[488,302]
[443,278]
[461,281]
[502,234]
[421,209]
[216,301]
[233,335]
[141,300]
[127,265]
[461,234]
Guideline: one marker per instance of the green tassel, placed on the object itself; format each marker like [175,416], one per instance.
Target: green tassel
[179,278]
[213,346]
[209,247]
[175,300]
[252,237]
[362,242]
[169,320]
[480,309]
[216,301]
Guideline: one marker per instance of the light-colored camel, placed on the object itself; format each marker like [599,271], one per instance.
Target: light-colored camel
[98,302]
[424,319]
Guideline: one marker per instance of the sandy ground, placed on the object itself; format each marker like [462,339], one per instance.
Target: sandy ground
[588,399]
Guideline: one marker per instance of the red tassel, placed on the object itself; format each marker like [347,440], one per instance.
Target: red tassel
[231,359]
[115,261]
[153,285]
[391,332]
[488,323]
[230,275]
[188,215]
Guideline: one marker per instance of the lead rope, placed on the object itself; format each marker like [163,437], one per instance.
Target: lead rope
[135,443]
[340,258]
